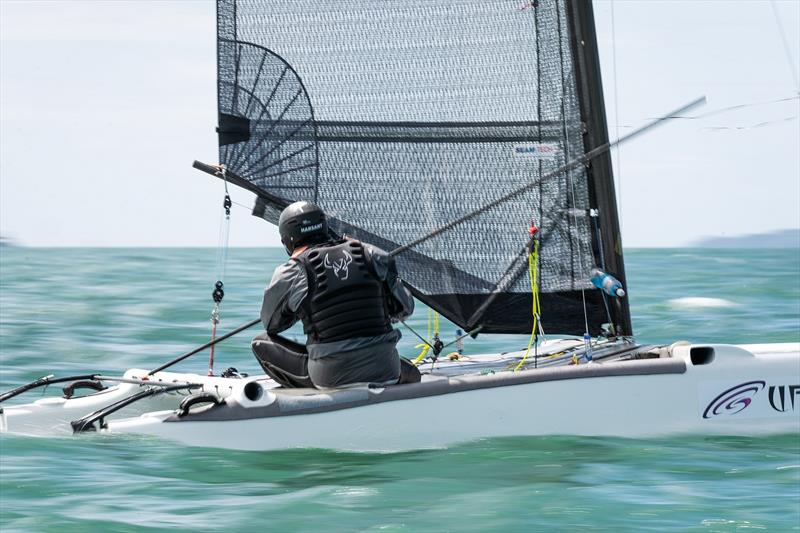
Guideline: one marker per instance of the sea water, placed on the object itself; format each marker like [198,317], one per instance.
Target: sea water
[66,311]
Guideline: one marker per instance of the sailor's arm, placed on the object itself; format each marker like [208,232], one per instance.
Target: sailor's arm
[401,295]
[283,297]
[401,303]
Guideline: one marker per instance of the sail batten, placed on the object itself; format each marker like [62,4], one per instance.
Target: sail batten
[399,117]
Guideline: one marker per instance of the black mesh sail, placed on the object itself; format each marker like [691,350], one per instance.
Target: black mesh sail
[399,117]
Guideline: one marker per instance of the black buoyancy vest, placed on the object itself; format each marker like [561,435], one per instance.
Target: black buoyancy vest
[345,299]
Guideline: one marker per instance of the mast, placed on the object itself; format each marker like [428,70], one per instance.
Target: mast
[602,196]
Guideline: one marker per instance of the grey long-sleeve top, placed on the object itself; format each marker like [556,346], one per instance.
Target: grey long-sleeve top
[286,293]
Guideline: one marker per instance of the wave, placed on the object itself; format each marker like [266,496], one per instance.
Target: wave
[701,302]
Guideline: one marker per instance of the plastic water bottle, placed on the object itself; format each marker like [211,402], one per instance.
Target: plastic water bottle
[607,283]
[587,343]
[459,342]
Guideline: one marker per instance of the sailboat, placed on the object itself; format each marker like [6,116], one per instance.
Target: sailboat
[470,140]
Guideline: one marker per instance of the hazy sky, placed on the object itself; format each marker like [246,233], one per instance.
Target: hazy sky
[104,106]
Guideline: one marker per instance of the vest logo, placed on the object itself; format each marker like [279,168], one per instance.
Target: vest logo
[340,266]
[307,229]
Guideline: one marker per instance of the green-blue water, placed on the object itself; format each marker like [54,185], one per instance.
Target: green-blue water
[72,310]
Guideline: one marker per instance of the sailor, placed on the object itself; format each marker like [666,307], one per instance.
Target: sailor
[347,293]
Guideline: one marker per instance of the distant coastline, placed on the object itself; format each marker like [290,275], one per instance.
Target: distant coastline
[785,238]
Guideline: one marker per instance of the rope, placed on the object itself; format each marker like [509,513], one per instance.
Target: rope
[422,354]
[412,330]
[599,234]
[464,336]
[786,49]
[571,185]
[730,109]
[222,259]
[214,322]
[437,343]
[424,345]
[433,333]
[616,108]
[536,310]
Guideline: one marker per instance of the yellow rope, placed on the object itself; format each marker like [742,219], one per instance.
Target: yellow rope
[430,322]
[422,354]
[533,268]
[433,331]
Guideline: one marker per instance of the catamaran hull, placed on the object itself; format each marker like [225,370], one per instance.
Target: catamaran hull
[723,390]
[52,416]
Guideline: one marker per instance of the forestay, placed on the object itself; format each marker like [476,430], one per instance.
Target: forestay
[398,117]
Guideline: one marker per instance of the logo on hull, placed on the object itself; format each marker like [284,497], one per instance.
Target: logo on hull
[732,401]
[780,400]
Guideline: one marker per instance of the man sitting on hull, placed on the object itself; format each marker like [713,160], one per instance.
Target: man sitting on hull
[347,294]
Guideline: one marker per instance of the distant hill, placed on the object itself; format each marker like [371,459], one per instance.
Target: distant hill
[785,238]
[7,242]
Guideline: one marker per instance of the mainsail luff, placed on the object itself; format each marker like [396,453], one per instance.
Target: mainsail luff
[424,150]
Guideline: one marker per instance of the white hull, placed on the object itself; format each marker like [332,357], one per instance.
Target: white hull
[52,415]
[744,390]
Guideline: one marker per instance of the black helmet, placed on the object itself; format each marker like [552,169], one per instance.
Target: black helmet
[302,223]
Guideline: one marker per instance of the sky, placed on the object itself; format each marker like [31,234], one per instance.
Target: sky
[104,106]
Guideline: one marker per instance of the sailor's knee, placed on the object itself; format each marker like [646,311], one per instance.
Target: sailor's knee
[263,336]
[261,341]
[260,345]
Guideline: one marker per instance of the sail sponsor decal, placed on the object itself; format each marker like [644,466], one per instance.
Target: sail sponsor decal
[749,399]
[536,150]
